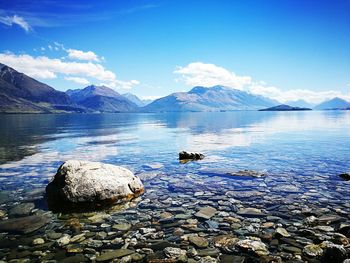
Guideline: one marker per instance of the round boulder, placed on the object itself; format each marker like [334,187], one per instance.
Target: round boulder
[89,185]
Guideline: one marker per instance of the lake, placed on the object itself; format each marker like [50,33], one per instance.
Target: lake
[300,153]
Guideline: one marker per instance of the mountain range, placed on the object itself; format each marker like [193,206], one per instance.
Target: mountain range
[20,93]
[210,99]
[101,99]
[139,102]
[333,104]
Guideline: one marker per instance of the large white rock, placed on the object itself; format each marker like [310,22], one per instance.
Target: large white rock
[81,182]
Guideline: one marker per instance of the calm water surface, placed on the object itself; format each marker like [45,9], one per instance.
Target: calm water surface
[302,154]
[295,143]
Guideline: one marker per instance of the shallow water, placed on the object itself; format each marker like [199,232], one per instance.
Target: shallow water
[301,153]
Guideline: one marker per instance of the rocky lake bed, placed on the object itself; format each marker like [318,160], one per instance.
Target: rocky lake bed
[184,218]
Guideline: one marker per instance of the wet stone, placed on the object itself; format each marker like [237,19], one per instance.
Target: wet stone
[161,245]
[38,241]
[208,252]
[173,252]
[225,242]
[118,253]
[313,250]
[53,235]
[199,242]
[291,249]
[74,248]
[122,226]
[21,209]
[251,212]
[282,232]
[206,212]
[247,173]
[75,259]
[333,253]
[23,225]
[3,213]
[64,240]
[255,246]
[4,197]
[232,259]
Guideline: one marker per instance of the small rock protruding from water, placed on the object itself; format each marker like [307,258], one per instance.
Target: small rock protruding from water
[345,176]
[186,156]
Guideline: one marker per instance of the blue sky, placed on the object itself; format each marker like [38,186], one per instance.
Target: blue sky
[281,49]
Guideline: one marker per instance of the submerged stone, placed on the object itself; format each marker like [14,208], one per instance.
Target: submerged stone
[251,212]
[312,250]
[206,212]
[21,209]
[174,252]
[118,253]
[199,242]
[247,173]
[23,225]
[256,246]
[282,232]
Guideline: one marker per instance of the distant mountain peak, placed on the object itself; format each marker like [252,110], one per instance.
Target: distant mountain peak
[21,93]
[101,99]
[214,98]
[335,103]
[135,99]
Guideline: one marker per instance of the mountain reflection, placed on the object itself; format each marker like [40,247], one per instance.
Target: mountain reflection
[97,136]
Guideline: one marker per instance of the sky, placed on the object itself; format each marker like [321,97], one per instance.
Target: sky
[285,50]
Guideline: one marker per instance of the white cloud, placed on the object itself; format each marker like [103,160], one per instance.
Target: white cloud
[150,97]
[47,68]
[204,74]
[82,81]
[15,20]
[81,55]
[121,84]
[295,94]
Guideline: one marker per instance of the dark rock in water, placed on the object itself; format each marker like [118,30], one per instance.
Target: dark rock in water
[75,259]
[345,176]
[80,185]
[227,173]
[232,259]
[4,197]
[23,225]
[247,173]
[334,253]
[190,156]
[162,245]
[21,209]
[118,253]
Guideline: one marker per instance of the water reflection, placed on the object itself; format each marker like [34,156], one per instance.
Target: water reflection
[39,139]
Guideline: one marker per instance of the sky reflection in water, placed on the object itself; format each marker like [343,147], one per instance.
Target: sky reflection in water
[292,144]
